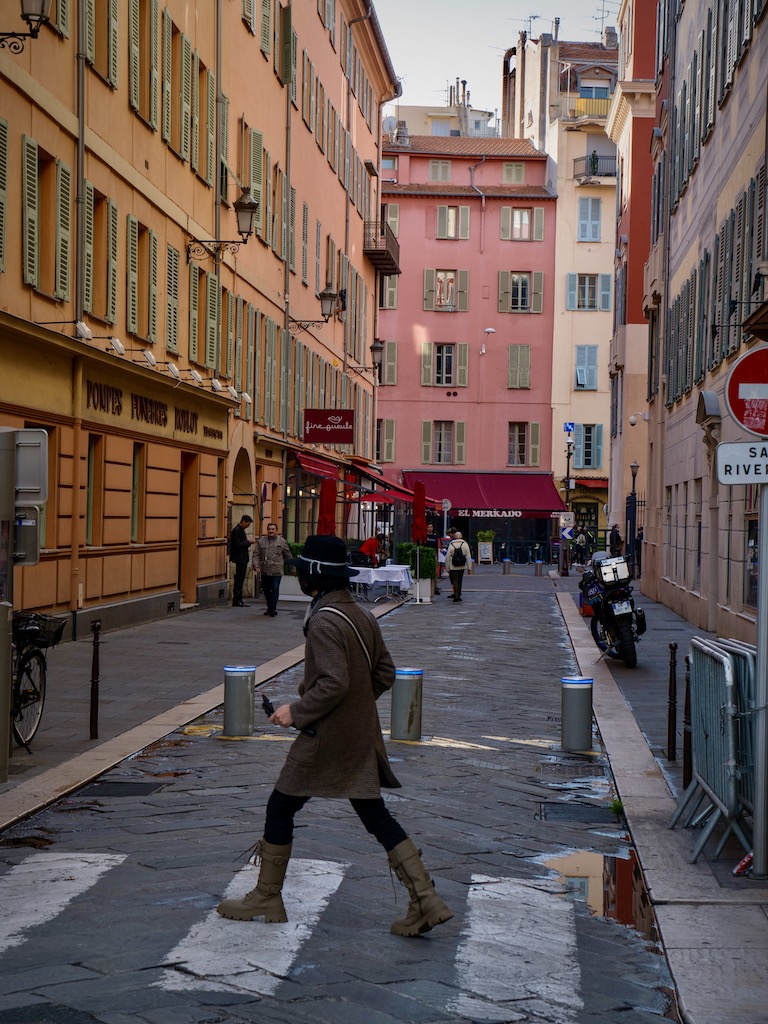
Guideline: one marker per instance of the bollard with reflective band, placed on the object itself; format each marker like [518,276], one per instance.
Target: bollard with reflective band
[538,568]
[239,684]
[406,704]
[506,567]
[576,713]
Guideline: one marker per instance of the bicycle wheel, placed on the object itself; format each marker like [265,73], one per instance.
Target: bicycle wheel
[28,696]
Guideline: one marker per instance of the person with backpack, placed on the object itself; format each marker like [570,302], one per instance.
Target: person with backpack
[458,560]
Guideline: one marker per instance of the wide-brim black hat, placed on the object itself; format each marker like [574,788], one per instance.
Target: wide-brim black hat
[323,556]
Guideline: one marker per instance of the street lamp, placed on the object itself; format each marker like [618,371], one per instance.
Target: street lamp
[568,457]
[632,516]
[246,209]
[36,13]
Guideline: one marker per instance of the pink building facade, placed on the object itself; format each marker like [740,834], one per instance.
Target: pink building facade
[465,396]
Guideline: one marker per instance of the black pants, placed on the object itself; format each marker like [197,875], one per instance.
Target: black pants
[237,586]
[457,578]
[281,809]
[271,587]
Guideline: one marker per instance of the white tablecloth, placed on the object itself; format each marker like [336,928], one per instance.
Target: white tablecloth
[387,574]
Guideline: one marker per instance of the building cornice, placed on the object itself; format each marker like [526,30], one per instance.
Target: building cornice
[631,99]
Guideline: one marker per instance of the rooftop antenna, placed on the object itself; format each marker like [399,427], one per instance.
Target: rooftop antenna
[603,14]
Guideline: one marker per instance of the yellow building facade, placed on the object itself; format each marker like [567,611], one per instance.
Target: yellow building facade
[170,360]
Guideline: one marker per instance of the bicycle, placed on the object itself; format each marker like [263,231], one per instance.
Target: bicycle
[32,634]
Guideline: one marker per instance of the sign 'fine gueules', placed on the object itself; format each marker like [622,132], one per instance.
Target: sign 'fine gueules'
[329,426]
[746,391]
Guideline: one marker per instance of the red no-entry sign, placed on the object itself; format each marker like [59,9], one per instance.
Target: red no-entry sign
[746,391]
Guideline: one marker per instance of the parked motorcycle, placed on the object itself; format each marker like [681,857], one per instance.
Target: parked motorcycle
[616,624]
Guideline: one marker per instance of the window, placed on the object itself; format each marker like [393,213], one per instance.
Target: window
[444,365]
[101,40]
[203,120]
[143,53]
[520,292]
[523,444]
[385,440]
[452,222]
[100,279]
[389,363]
[522,224]
[94,509]
[390,214]
[446,290]
[442,442]
[589,292]
[204,313]
[439,170]
[389,164]
[141,295]
[513,173]
[589,220]
[138,492]
[588,446]
[519,366]
[46,190]
[594,92]
[177,87]
[586,367]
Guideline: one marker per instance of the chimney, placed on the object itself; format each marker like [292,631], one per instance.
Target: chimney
[557,28]
[610,38]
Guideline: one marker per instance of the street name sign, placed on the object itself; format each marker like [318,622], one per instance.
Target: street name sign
[743,462]
[746,392]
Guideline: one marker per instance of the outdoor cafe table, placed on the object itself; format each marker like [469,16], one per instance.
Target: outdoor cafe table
[394,577]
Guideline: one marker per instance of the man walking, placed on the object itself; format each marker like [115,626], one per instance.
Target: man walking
[238,555]
[339,751]
[458,560]
[268,559]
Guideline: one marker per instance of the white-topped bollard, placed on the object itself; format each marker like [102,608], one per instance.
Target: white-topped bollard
[576,713]
[405,723]
[239,685]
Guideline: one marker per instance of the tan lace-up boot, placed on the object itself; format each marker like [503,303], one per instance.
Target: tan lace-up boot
[265,900]
[425,908]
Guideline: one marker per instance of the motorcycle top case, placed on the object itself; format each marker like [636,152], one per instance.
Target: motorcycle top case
[613,570]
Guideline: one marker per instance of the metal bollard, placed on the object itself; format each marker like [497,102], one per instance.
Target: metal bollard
[576,713]
[239,683]
[672,705]
[538,568]
[94,715]
[506,567]
[406,704]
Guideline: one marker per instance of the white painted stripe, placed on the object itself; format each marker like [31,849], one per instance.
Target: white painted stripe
[753,391]
[39,888]
[518,951]
[250,956]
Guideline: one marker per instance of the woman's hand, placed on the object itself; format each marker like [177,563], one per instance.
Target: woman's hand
[282,716]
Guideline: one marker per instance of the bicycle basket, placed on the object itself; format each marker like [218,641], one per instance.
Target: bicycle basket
[32,628]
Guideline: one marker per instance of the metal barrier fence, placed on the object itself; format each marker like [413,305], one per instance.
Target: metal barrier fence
[722,685]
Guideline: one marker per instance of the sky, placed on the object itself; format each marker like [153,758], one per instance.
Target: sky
[434,42]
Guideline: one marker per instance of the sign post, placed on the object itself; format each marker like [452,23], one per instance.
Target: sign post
[746,395]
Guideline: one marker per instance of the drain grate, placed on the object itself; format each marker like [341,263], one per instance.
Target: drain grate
[592,814]
[118,789]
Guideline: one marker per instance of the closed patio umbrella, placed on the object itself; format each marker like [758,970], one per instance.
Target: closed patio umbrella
[326,516]
[419,526]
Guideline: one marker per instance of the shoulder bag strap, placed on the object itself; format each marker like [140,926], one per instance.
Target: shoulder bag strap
[335,611]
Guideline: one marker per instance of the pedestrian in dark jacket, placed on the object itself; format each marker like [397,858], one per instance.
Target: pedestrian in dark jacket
[340,751]
[238,554]
[615,543]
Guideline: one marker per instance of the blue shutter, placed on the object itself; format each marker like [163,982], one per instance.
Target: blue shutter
[605,292]
[578,446]
[597,462]
[571,297]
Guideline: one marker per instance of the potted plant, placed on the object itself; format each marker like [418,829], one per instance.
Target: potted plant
[426,568]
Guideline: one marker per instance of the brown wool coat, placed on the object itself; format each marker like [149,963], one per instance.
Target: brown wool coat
[338,700]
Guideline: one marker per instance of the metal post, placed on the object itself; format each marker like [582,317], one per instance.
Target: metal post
[672,705]
[405,723]
[239,684]
[687,755]
[95,629]
[576,713]
[760,816]
[7,509]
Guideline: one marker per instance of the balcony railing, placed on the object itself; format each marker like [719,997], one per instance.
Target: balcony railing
[594,167]
[574,107]
[381,247]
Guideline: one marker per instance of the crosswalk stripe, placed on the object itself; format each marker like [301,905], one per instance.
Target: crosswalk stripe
[39,888]
[250,956]
[518,951]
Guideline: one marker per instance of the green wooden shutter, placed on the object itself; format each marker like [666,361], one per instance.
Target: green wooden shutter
[224,140]
[62,19]
[278,51]
[257,172]
[442,222]
[390,362]
[194,312]
[237,357]
[212,308]
[63,229]
[390,292]
[3,188]
[167,74]
[90,31]
[387,454]
[134,54]
[427,358]
[538,223]
[537,292]
[112,244]
[429,289]
[426,442]
[185,99]
[152,284]
[194,113]
[266,26]
[113,46]
[513,366]
[525,366]
[286,72]
[463,222]
[534,444]
[505,225]
[172,301]
[154,63]
[393,217]
[210,132]
[505,291]
[248,15]
[88,248]
[230,344]
[30,211]
[462,291]
[462,364]
[460,433]
[132,267]
[292,231]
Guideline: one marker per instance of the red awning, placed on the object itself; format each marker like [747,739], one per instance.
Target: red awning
[494,495]
[592,481]
[390,496]
[318,466]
